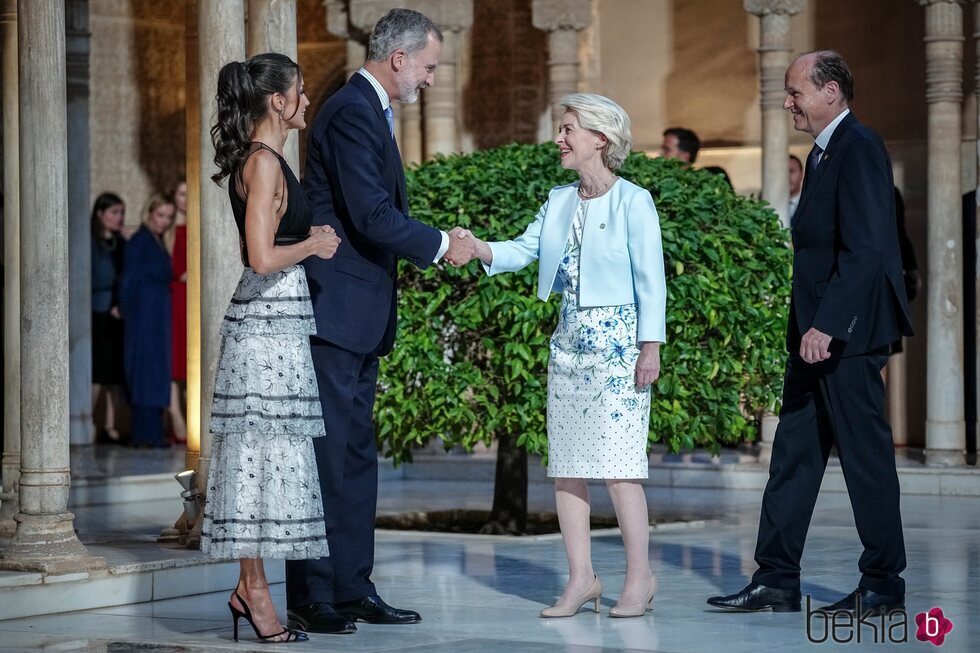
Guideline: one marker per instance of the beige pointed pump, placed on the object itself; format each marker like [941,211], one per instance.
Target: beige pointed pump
[571,608]
[636,609]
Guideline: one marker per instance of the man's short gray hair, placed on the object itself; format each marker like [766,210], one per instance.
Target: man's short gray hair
[400,29]
[600,114]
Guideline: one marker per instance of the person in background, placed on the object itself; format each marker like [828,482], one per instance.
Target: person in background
[108,214]
[680,143]
[146,309]
[177,246]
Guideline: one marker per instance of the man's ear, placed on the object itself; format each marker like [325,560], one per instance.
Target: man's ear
[832,92]
[397,60]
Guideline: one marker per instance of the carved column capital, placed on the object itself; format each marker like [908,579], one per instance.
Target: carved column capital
[338,21]
[77,47]
[8,11]
[944,50]
[551,15]
[767,7]
[449,15]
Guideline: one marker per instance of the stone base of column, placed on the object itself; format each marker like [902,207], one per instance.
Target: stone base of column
[176,534]
[193,538]
[9,507]
[767,433]
[47,544]
[945,443]
[945,458]
[895,387]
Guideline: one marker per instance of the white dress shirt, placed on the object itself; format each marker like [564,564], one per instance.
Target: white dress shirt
[823,138]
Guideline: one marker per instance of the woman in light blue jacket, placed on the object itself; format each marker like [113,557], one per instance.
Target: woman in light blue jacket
[598,244]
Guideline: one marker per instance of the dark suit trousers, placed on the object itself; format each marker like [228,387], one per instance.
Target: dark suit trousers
[347,462]
[839,401]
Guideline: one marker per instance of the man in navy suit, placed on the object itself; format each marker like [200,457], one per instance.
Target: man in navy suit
[355,183]
[848,305]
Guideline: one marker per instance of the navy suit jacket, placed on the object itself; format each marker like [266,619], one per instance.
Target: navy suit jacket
[847,267]
[355,183]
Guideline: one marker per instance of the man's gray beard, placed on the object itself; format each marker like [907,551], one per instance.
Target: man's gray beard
[411,98]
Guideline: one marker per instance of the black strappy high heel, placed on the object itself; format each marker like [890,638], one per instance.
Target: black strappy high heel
[236,614]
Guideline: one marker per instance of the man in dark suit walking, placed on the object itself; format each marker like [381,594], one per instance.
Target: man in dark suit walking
[355,183]
[848,305]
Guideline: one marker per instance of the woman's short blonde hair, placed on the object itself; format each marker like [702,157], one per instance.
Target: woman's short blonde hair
[156,201]
[600,114]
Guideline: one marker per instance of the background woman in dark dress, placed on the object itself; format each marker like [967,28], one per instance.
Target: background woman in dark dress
[108,214]
[146,309]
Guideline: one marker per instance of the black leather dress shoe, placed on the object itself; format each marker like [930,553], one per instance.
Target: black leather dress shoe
[862,601]
[373,610]
[756,597]
[319,618]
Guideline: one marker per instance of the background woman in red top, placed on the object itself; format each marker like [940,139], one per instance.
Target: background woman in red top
[178,294]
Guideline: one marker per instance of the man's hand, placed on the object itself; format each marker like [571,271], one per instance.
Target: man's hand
[815,346]
[462,247]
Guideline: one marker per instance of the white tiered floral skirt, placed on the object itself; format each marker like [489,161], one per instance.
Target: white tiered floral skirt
[263,492]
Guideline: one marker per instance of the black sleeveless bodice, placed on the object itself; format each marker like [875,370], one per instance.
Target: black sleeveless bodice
[294,226]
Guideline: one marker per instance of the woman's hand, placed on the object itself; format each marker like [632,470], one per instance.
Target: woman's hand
[324,241]
[648,364]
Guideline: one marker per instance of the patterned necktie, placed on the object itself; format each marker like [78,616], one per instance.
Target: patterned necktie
[814,159]
[389,114]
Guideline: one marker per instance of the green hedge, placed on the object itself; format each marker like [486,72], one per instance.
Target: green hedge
[470,362]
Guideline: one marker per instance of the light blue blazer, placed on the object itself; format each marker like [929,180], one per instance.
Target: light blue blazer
[622,259]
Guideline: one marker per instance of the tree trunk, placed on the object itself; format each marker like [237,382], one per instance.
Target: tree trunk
[509,513]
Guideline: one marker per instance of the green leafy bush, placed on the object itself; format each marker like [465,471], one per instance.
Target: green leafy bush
[470,363]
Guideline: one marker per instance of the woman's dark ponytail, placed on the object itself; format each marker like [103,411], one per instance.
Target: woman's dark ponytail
[243,89]
[231,133]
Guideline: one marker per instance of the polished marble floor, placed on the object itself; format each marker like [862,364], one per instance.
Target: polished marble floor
[482,595]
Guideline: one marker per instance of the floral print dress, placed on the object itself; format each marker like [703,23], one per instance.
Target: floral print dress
[597,419]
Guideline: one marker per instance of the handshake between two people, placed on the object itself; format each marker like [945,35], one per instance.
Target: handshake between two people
[464,247]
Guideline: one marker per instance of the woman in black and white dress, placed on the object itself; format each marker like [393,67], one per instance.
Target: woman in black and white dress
[263,489]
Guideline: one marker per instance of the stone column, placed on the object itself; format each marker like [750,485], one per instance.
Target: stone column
[45,539]
[945,426]
[443,103]
[224,23]
[976,287]
[562,20]
[192,170]
[338,24]
[272,28]
[774,58]
[410,138]
[9,504]
[77,42]
[192,130]
[441,117]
